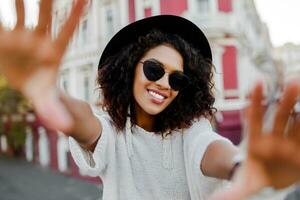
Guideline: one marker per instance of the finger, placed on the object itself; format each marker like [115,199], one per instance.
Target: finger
[44,16]
[255,112]
[285,107]
[69,27]
[294,131]
[20,10]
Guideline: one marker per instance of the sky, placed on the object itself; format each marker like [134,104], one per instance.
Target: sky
[282,18]
[6,11]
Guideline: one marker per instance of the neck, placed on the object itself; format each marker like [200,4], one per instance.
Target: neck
[144,120]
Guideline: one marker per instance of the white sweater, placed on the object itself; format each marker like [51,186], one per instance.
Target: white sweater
[139,165]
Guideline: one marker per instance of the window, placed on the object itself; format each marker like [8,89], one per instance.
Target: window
[147,3]
[64,81]
[109,22]
[225,5]
[60,18]
[65,85]
[203,7]
[75,39]
[86,83]
[84,32]
[43,144]
[63,153]
[147,12]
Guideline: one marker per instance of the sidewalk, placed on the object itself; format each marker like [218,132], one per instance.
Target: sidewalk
[22,180]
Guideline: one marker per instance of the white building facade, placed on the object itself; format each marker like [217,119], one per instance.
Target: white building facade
[288,57]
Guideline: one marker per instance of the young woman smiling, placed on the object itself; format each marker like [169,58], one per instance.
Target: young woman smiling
[154,140]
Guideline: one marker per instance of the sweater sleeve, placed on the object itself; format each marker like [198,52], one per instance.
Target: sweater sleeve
[94,163]
[196,140]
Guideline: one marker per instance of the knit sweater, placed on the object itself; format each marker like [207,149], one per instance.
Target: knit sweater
[136,164]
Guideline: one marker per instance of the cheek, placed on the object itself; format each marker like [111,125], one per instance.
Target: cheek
[138,76]
[174,94]
[139,84]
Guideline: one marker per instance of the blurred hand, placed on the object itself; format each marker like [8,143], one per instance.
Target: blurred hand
[272,157]
[30,60]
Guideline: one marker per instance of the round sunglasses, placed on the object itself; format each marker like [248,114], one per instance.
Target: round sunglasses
[154,71]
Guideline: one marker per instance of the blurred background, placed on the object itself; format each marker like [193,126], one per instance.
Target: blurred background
[251,40]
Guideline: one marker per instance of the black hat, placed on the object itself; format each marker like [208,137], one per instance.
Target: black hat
[165,23]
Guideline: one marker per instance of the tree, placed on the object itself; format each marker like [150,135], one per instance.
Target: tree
[12,103]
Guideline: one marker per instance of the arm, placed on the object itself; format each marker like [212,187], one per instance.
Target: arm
[270,159]
[218,159]
[86,128]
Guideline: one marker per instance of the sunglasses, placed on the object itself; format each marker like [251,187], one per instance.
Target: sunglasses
[154,71]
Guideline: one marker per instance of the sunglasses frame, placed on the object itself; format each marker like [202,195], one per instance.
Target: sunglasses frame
[171,77]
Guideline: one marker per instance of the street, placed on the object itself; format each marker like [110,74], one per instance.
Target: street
[22,180]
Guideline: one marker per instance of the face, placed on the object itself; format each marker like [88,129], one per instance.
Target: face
[152,97]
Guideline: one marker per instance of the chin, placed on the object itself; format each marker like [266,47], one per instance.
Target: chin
[153,111]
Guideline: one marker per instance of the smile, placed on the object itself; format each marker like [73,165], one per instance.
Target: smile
[159,98]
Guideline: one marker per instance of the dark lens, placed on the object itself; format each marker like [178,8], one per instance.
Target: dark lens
[153,70]
[178,81]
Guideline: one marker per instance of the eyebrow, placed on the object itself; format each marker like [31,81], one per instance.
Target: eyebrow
[157,61]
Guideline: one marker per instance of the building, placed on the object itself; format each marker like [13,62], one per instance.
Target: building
[242,54]
[288,57]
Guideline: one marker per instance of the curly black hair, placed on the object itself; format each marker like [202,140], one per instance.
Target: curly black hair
[116,75]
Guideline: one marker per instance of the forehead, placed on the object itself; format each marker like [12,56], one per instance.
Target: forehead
[167,55]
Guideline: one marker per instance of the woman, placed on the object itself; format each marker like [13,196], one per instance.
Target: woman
[155,141]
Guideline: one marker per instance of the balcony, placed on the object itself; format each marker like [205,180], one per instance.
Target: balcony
[215,25]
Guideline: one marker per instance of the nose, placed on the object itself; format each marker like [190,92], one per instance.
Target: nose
[164,81]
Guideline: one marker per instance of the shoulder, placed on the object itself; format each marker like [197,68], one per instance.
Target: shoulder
[201,131]
[105,120]
[199,126]
[201,123]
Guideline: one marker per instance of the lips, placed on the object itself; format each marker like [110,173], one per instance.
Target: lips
[157,97]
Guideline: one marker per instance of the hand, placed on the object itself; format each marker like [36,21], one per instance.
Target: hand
[272,157]
[30,60]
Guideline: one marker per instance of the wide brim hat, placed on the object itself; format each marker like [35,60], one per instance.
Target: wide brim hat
[169,24]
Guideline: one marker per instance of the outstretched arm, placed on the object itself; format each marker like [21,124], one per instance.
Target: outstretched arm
[86,129]
[271,160]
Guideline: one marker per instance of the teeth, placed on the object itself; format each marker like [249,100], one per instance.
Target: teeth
[158,96]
